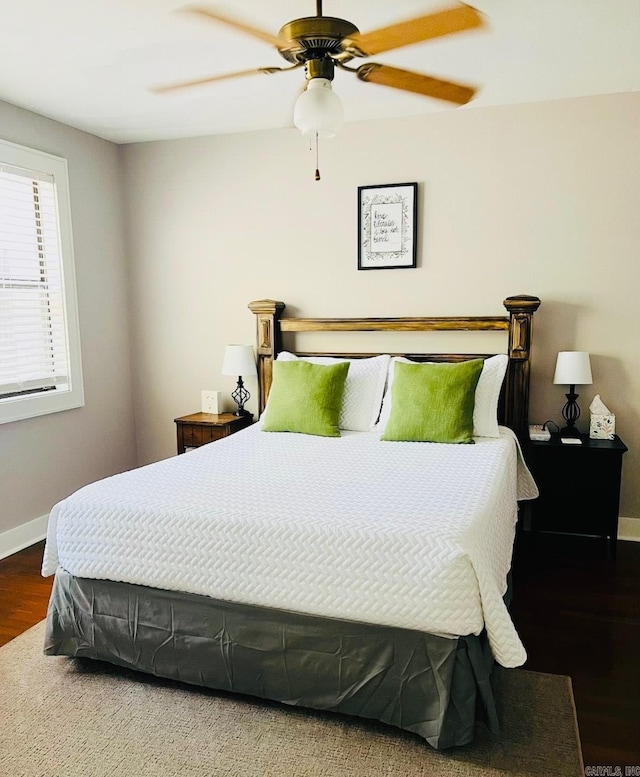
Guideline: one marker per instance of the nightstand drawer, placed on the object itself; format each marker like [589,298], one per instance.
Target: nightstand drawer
[201,428]
[193,435]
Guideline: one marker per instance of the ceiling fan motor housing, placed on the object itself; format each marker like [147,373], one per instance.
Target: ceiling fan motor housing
[316,38]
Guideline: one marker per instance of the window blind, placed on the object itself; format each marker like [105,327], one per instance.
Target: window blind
[33,337]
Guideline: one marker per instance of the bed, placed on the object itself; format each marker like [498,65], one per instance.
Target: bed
[343,573]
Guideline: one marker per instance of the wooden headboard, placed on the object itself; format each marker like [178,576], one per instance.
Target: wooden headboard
[513,410]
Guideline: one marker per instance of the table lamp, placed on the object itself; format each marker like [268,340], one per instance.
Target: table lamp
[239,360]
[573,368]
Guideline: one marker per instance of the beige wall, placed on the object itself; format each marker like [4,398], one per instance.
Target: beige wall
[540,198]
[43,460]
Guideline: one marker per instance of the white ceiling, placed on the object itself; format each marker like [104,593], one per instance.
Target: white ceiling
[89,63]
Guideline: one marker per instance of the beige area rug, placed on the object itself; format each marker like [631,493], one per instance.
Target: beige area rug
[63,717]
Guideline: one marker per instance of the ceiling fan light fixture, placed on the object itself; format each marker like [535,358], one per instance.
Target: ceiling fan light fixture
[318,111]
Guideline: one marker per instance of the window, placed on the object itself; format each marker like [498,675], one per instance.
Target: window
[40,369]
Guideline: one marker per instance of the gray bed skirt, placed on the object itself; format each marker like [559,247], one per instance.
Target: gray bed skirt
[430,685]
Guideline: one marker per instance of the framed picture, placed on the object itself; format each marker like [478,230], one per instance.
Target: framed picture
[387,226]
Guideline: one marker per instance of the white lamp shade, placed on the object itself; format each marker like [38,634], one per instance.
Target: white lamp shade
[318,110]
[239,360]
[573,368]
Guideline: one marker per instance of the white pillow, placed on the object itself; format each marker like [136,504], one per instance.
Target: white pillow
[363,390]
[485,412]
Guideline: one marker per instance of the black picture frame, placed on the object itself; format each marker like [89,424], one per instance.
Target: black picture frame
[387,226]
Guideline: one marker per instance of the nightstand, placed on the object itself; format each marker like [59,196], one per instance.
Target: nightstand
[579,486]
[200,428]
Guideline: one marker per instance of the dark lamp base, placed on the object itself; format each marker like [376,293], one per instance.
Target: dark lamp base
[241,396]
[570,413]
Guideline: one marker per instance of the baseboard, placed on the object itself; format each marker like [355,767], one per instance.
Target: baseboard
[21,537]
[629,529]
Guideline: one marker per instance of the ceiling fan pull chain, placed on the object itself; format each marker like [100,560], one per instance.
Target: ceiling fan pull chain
[317,163]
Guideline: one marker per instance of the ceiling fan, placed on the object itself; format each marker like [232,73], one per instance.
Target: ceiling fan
[321,43]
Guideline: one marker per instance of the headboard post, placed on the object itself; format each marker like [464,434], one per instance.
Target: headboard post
[268,314]
[521,309]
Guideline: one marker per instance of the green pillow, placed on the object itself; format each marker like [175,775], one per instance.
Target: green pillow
[433,402]
[306,398]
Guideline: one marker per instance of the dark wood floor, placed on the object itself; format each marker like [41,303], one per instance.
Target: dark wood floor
[24,593]
[578,614]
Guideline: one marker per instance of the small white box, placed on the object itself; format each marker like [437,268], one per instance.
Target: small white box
[210,401]
[603,427]
[539,433]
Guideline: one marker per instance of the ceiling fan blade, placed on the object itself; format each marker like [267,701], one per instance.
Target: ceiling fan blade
[422,28]
[267,37]
[415,82]
[213,79]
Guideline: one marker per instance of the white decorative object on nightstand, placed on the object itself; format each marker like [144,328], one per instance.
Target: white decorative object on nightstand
[603,421]
[210,401]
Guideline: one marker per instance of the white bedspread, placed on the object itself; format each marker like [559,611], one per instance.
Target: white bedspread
[414,535]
